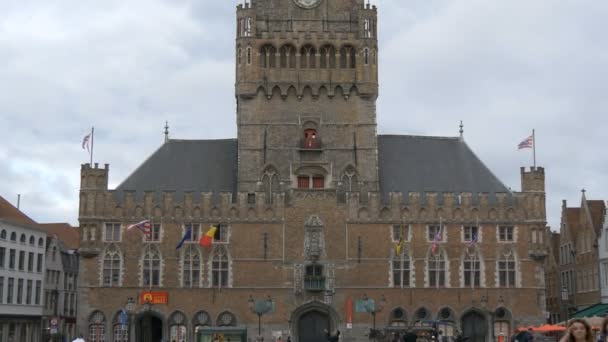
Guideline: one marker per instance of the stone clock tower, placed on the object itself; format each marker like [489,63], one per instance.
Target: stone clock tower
[306,89]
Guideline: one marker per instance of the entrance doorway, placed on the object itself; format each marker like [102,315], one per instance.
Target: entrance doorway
[312,326]
[475,327]
[150,328]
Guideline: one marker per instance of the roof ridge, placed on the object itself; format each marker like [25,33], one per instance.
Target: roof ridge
[201,140]
[419,136]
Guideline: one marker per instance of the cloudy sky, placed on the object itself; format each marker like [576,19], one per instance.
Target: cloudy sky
[503,67]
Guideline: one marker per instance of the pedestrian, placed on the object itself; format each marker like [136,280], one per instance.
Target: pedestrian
[578,331]
[603,331]
[288,338]
[410,336]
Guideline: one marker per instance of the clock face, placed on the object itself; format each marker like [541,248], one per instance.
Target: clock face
[307,3]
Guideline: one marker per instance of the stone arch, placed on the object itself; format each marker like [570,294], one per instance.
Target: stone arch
[145,312]
[226,319]
[363,214]
[446,313]
[327,57]
[268,56]
[348,55]
[333,318]
[32,240]
[307,91]
[308,56]
[323,91]
[96,325]
[276,91]
[353,91]
[291,91]
[178,325]
[398,317]
[270,180]
[338,91]
[475,323]
[234,212]
[287,56]
[262,90]
[421,314]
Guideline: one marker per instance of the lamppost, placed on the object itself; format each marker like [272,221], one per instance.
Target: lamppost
[565,302]
[371,308]
[130,309]
[260,307]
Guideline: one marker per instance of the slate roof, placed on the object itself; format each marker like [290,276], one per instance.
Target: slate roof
[432,164]
[185,165]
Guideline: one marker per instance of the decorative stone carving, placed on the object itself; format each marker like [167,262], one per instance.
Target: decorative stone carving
[314,240]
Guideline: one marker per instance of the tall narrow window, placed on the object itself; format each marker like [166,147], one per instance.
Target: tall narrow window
[472,270]
[367,28]
[436,270]
[1,290]
[21,260]
[401,270]
[97,327]
[120,332]
[434,233]
[20,291]
[28,292]
[219,268]
[112,232]
[151,267]
[506,271]
[268,56]
[308,57]
[38,291]
[177,327]
[155,232]
[239,56]
[10,290]
[248,55]
[366,56]
[191,267]
[111,268]
[2,256]
[471,233]
[30,262]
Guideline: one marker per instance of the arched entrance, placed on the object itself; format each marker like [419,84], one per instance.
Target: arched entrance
[312,326]
[475,327]
[149,328]
[311,321]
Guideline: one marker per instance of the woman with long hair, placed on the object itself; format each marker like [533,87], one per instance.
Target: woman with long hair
[578,331]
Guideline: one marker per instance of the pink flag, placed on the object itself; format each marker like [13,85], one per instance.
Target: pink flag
[528,143]
[145,226]
[85,142]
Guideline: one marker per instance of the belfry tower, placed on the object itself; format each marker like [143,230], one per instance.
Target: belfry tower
[306,89]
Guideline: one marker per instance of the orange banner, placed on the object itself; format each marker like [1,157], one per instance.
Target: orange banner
[349,313]
[154,297]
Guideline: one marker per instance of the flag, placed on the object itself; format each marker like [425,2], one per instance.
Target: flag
[123,317]
[474,240]
[145,226]
[187,237]
[206,240]
[528,143]
[437,239]
[399,246]
[85,142]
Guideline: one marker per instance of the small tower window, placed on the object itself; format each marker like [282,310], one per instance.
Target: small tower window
[366,56]
[367,28]
[311,139]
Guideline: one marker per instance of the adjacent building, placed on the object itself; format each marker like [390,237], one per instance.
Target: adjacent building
[555,303]
[22,264]
[310,204]
[61,282]
[602,243]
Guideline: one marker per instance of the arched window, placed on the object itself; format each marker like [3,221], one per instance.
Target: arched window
[3,234]
[54,255]
[201,320]
[471,268]
[374,57]
[41,242]
[328,57]
[32,240]
[191,267]
[311,139]
[151,267]
[398,318]
[249,55]
[347,57]
[308,56]
[120,331]
[401,270]
[177,327]
[268,56]
[14,237]
[270,182]
[288,56]
[97,327]
[350,179]
[226,319]
[507,270]
[112,265]
[220,271]
[22,239]
[437,269]
[422,314]
[239,56]
[502,326]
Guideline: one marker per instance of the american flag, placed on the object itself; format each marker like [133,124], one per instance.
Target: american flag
[85,142]
[436,241]
[474,240]
[528,143]
[145,226]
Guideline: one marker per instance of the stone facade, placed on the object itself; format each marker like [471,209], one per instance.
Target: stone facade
[316,249]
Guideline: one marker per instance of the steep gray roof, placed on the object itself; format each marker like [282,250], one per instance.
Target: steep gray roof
[185,165]
[432,164]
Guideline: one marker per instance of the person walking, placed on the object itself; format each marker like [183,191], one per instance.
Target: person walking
[578,331]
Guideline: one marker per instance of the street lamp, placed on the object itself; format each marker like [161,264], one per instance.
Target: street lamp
[565,302]
[260,307]
[130,309]
[370,307]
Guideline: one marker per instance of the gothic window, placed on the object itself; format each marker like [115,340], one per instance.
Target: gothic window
[328,57]
[268,56]
[308,56]
[366,56]
[347,57]
[471,267]
[506,270]
[112,232]
[151,267]
[3,234]
[226,319]
[220,268]
[374,57]
[288,56]
[97,327]
[201,320]
[111,267]
[32,241]
[350,180]
[401,270]
[248,27]
[270,183]
[437,269]
[191,267]
[120,331]
[177,327]
[398,318]
[41,242]
[22,239]
[14,237]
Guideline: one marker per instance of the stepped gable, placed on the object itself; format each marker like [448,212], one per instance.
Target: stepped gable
[183,166]
[432,164]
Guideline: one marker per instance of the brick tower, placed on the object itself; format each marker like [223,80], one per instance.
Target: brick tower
[306,89]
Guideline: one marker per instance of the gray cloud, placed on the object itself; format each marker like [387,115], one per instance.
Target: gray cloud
[126,67]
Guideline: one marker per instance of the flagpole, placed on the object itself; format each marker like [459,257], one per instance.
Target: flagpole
[92,142]
[534,146]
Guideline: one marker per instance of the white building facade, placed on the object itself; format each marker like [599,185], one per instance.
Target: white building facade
[22,267]
[603,260]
